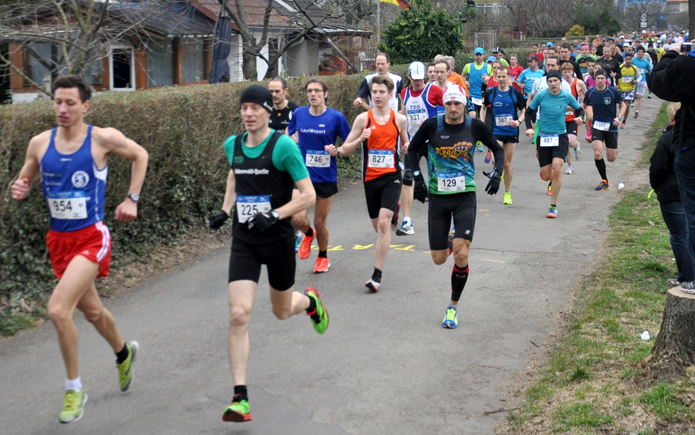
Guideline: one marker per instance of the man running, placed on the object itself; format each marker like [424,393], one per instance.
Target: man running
[318,126]
[610,65]
[577,89]
[383,63]
[420,102]
[264,165]
[565,57]
[377,132]
[72,160]
[504,102]
[630,76]
[644,66]
[552,143]
[282,107]
[529,76]
[601,102]
[475,73]
[515,71]
[431,74]
[448,140]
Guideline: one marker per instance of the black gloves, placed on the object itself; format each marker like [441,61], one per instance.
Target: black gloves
[494,184]
[217,220]
[420,188]
[261,221]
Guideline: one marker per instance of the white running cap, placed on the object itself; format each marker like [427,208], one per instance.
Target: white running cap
[417,71]
[455,93]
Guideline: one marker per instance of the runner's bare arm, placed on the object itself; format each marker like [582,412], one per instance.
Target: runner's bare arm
[402,122]
[22,185]
[356,137]
[229,193]
[306,198]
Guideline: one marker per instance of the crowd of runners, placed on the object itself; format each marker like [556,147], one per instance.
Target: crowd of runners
[285,162]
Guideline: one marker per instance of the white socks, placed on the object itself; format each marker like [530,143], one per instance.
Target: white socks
[406,220]
[75,385]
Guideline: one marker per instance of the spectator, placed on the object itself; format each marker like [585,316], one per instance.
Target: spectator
[663,180]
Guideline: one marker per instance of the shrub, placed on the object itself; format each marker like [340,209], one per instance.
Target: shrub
[576,30]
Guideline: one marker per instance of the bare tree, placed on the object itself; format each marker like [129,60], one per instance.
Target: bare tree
[554,17]
[636,8]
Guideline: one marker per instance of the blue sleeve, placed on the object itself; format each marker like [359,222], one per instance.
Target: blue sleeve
[292,127]
[537,100]
[343,127]
[573,102]
[587,96]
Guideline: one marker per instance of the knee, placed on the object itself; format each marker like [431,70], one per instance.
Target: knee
[439,258]
[320,223]
[282,313]
[598,155]
[93,315]
[384,225]
[239,315]
[611,158]
[58,314]
[507,165]
[461,257]
[556,171]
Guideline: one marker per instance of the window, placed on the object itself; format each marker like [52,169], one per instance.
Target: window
[485,8]
[193,60]
[39,61]
[160,64]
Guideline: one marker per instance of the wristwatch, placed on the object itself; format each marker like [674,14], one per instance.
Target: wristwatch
[134,197]
[275,214]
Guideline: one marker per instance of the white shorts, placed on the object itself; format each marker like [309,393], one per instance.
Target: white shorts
[641,88]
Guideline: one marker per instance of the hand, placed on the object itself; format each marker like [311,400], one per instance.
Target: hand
[494,184]
[217,220]
[420,187]
[365,134]
[616,121]
[357,102]
[127,211]
[514,123]
[579,120]
[529,133]
[20,188]
[261,222]
[676,47]
[331,149]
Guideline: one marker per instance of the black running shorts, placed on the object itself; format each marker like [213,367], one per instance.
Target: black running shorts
[279,257]
[383,192]
[506,139]
[462,206]
[610,138]
[571,127]
[547,154]
[325,190]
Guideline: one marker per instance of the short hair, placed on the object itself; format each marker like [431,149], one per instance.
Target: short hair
[552,48]
[514,55]
[640,47]
[438,57]
[628,54]
[381,53]
[448,67]
[431,64]
[318,80]
[534,45]
[565,45]
[450,60]
[282,81]
[590,60]
[496,62]
[382,80]
[557,59]
[566,65]
[73,81]
[502,68]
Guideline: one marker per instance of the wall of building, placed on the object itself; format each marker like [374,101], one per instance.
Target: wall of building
[302,59]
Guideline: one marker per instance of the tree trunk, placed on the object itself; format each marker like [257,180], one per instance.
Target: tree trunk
[249,66]
[674,348]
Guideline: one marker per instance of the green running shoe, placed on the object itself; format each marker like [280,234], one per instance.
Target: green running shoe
[125,369]
[507,198]
[238,411]
[73,406]
[320,315]
[451,320]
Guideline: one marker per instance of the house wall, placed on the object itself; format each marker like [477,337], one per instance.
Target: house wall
[302,59]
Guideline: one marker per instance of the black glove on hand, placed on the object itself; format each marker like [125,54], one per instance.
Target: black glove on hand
[420,188]
[494,184]
[217,220]
[261,221]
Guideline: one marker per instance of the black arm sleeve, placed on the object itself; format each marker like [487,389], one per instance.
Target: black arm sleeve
[672,78]
[577,71]
[486,97]
[658,163]
[580,112]
[419,143]
[481,133]
[530,117]
[364,90]
[520,101]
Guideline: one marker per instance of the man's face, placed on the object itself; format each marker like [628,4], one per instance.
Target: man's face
[454,110]
[316,95]
[382,66]
[590,66]
[533,64]
[431,74]
[478,57]
[568,75]
[496,54]
[69,107]
[564,53]
[628,61]
[535,48]
[277,92]
[551,51]
[600,81]
[442,72]
[417,84]
[502,77]
[255,117]
[551,64]
[381,94]
[554,84]
[608,53]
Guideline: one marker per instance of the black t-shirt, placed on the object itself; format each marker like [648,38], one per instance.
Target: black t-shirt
[610,66]
[599,51]
[280,119]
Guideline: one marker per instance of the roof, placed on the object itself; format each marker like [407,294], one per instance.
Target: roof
[170,19]
[292,9]
[255,11]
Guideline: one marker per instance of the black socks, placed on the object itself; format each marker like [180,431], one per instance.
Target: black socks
[240,391]
[310,233]
[122,355]
[323,254]
[459,276]
[601,166]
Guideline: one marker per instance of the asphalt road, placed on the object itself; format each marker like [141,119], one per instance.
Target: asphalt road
[385,365]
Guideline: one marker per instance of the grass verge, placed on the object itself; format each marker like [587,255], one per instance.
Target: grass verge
[588,383]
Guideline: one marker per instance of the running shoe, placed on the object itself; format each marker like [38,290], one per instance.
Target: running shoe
[622,125]
[125,369]
[588,137]
[405,229]
[322,265]
[298,242]
[73,406]
[636,114]
[688,287]
[650,95]
[374,282]
[320,315]
[578,152]
[507,198]
[570,170]
[673,282]
[394,219]
[550,189]
[305,247]
[552,212]
[603,185]
[451,320]
[488,156]
[238,411]
[632,104]
[479,147]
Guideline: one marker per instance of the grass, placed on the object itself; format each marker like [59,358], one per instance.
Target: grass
[589,383]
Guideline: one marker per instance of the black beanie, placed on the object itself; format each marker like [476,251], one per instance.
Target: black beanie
[259,95]
[601,72]
[553,73]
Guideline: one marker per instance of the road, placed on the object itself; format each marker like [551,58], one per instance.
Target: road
[385,365]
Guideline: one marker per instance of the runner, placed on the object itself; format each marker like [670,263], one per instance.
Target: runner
[454,77]
[590,83]
[282,107]
[383,63]
[420,102]
[630,75]
[610,65]
[377,132]
[578,89]
[601,102]
[448,140]
[539,85]
[529,76]
[431,74]
[583,60]
[504,102]
[536,53]
[515,71]
[644,66]
[499,55]
[565,57]
[552,143]
[69,158]
[475,73]
[318,126]
[264,164]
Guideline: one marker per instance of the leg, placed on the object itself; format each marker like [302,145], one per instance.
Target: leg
[383,242]
[300,220]
[323,206]
[611,154]
[639,103]
[287,303]
[598,149]
[509,149]
[546,173]
[77,278]
[556,178]
[684,162]
[102,319]
[674,217]
[462,248]
[241,295]
[407,199]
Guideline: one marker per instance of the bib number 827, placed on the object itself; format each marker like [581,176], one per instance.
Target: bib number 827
[378,159]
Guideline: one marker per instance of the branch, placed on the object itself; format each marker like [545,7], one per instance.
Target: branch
[24,76]
[239,19]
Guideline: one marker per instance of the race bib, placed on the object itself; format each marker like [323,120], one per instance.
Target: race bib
[249,205]
[627,79]
[67,205]
[455,182]
[416,116]
[602,126]
[550,140]
[569,113]
[318,159]
[503,121]
[381,159]
[477,101]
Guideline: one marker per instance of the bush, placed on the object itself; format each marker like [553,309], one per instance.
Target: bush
[182,128]
[576,30]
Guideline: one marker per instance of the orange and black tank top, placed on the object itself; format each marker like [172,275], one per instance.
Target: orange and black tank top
[380,150]
[570,114]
